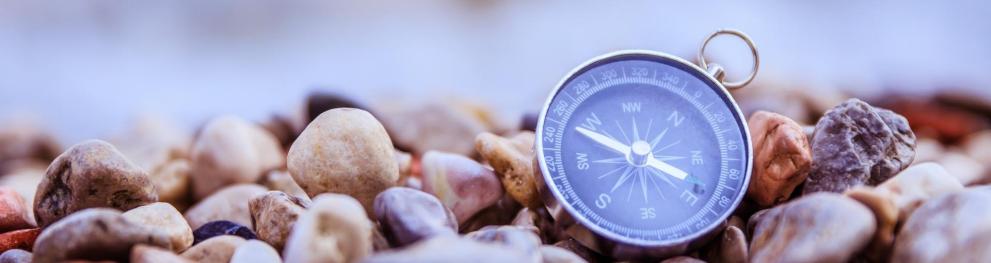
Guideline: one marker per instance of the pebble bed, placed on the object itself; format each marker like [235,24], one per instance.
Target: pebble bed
[835,179]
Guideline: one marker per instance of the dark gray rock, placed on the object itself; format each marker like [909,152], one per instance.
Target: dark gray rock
[858,144]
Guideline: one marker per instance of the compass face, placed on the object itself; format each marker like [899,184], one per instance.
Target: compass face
[644,149]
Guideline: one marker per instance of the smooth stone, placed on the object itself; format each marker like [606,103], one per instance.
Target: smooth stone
[524,240]
[15,256]
[254,251]
[24,139]
[91,174]
[95,234]
[25,180]
[274,214]
[19,239]
[821,227]
[13,211]
[501,213]
[461,184]
[512,159]
[918,183]
[452,249]
[220,228]
[682,259]
[433,127]
[948,228]
[230,204]
[408,215]
[782,158]
[164,217]
[161,149]
[540,219]
[229,151]
[278,180]
[858,144]
[219,249]
[885,216]
[151,254]
[334,229]
[345,151]
[966,169]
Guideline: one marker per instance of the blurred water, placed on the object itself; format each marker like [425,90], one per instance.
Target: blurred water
[87,67]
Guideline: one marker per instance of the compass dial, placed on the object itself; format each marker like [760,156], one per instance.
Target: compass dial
[644,149]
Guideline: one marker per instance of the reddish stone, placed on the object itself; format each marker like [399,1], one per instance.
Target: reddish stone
[21,239]
[13,211]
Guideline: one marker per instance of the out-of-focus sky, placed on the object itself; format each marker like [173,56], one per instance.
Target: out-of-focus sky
[85,68]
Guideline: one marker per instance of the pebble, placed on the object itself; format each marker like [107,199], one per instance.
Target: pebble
[318,102]
[228,151]
[540,219]
[13,211]
[95,234]
[857,144]
[254,251]
[25,180]
[552,254]
[91,174]
[165,218]
[512,159]
[219,249]
[230,204]
[461,184]
[19,239]
[151,254]
[24,139]
[344,151]
[516,238]
[161,149]
[948,228]
[452,249]
[918,183]
[885,217]
[729,247]
[273,215]
[283,128]
[278,180]
[220,228]
[821,227]
[433,127]
[967,170]
[408,215]
[334,229]
[405,162]
[782,157]
[501,213]
[15,256]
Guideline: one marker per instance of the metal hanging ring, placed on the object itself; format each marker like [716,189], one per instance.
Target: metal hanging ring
[753,51]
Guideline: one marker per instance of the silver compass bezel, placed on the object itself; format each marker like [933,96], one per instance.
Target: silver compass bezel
[600,239]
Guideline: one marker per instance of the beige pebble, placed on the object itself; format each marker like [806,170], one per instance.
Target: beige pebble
[231,151]
[334,229]
[345,151]
[254,251]
[161,149]
[948,228]
[165,218]
[274,214]
[278,180]
[91,174]
[512,159]
[820,227]
[230,203]
[95,234]
[452,249]
[151,254]
[217,249]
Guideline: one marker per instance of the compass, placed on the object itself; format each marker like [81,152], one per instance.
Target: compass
[643,154]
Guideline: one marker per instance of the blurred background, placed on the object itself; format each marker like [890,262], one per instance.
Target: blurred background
[85,68]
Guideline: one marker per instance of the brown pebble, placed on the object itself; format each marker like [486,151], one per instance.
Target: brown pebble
[91,174]
[274,214]
[95,234]
[782,157]
[217,249]
[19,239]
[229,204]
[512,160]
[13,211]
